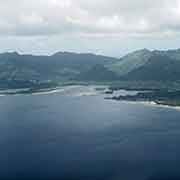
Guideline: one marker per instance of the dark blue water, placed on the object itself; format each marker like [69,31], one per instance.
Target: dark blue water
[69,137]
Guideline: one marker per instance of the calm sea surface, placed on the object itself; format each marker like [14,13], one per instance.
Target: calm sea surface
[76,134]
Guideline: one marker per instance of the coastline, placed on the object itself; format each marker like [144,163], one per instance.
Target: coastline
[45,91]
[161,98]
[152,103]
[93,89]
[28,91]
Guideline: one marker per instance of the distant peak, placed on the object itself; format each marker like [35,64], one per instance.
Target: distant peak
[11,53]
[167,51]
[71,53]
[144,50]
[59,53]
[139,52]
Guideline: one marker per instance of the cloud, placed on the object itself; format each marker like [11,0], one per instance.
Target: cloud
[98,18]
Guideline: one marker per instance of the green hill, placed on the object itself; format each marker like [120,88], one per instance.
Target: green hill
[144,65]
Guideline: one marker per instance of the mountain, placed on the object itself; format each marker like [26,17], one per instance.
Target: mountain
[157,68]
[145,65]
[23,70]
[98,73]
[131,61]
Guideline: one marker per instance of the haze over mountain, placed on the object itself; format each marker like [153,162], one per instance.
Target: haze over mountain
[148,65]
[62,66]
[142,65]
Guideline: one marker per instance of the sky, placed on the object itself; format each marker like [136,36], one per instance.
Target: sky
[108,27]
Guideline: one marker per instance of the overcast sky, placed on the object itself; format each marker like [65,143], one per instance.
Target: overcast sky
[110,27]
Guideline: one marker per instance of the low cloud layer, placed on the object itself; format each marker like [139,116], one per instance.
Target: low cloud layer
[90,18]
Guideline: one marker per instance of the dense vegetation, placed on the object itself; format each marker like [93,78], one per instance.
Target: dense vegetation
[140,69]
[26,70]
[164,97]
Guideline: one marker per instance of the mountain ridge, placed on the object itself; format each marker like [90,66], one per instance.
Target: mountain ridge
[141,65]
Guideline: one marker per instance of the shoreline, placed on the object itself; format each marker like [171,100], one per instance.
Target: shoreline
[154,103]
[13,92]
[162,98]
[29,91]
[151,103]
[26,91]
